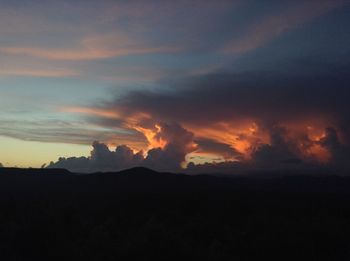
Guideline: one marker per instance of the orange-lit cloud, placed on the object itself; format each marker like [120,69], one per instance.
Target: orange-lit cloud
[93,47]
[84,54]
[92,111]
[250,120]
[38,73]
[242,137]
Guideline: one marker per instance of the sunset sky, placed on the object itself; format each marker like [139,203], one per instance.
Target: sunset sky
[174,83]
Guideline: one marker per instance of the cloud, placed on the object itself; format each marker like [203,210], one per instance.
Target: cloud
[258,119]
[38,73]
[226,103]
[177,143]
[206,145]
[339,152]
[101,159]
[70,132]
[84,53]
[272,25]
[277,150]
[91,48]
[236,95]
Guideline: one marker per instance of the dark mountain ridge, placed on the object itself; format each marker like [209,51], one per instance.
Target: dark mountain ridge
[140,177]
[139,213]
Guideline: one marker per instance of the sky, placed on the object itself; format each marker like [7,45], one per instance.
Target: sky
[196,86]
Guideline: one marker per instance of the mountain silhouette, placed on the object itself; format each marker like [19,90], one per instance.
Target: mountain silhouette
[139,213]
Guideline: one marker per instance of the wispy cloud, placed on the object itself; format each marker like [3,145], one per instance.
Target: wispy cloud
[271,26]
[82,54]
[92,111]
[96,47]
[70,132]
[38,73]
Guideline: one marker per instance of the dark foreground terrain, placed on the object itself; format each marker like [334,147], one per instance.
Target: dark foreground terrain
[138,213]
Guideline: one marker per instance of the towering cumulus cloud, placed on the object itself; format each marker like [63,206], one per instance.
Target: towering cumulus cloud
[174,144]
[252,120]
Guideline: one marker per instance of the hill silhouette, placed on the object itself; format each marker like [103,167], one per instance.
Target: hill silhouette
[143,214]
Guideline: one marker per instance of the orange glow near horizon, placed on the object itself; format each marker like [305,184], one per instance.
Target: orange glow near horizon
[243,136]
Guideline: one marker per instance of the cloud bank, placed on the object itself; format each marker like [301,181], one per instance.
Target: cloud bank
[254,120]
[176,143]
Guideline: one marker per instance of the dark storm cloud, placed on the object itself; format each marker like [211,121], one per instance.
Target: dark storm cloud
[340,153]
[259,94]
[272,99]
[277,151]
[278,102]
[211,146]
[269,97]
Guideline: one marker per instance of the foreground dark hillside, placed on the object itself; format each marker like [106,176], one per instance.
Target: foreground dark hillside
[138,213]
